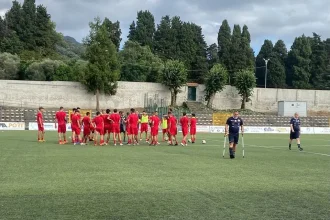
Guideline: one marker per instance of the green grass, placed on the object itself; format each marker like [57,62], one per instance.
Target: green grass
[50,181]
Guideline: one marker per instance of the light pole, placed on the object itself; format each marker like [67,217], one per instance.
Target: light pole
[266,61]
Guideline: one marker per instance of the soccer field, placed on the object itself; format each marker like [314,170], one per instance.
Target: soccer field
[51,181]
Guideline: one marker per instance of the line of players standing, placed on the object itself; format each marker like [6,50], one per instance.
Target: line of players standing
[106,123]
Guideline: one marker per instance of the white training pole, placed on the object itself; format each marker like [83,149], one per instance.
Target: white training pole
[243,144]
[224,147]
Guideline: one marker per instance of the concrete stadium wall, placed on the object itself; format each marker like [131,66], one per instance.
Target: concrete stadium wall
[33,94]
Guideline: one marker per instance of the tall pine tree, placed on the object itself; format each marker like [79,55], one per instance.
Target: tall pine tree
[248,54]
[224,44]
[114,32]
[276,68]
[299,61]
[143,31]
[29,21]
[236,54]
[264,53]
[212,55]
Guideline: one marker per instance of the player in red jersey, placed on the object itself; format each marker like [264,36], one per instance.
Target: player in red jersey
[193,122]
[128,130]
[40,122]
[173,130]
[99,128]
[184,121]
[133,121]
[86,121]
[107,125]
[155,121]
[76,128]
[115,118]
[71,114]
[60,124]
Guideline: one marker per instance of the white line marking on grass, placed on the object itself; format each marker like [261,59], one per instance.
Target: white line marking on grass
[279,147]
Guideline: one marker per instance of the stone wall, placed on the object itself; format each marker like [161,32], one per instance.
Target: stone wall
[133,94]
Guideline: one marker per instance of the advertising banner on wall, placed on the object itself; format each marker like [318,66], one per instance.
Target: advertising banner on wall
[217,129]
[12,126]
[203,129]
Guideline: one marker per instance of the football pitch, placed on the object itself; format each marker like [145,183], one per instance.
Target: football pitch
[51,181]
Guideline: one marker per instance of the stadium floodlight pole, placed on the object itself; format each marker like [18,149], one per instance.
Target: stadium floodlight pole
[266,61]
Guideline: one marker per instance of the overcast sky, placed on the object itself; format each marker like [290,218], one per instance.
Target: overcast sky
[266,19]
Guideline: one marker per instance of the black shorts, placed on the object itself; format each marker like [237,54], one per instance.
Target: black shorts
[233,138]
[294,135]
[122,129]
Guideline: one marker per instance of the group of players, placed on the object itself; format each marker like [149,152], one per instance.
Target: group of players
[105,123]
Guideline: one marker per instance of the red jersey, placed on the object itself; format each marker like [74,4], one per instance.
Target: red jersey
[98,121]
[133,120]
[184,121]
[155,121]
[75,120]
[107,122]
[172,122]
[71,114]
[115,117]
[40,120]
[193,122]
[86,121]
[60,117]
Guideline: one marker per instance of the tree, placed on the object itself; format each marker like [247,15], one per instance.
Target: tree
[216,80]
[45,34]
[139,64]
[102,72]
[299,63]
[276,67]
[247,52]
[144,30]
[224,43]
[264,53]
[319,61]
[114,32]
[29,21]
[9,41]
[48,70]
[174,77]
[212,55]
[9,66]
[236,54]
[165,41]
[245,82]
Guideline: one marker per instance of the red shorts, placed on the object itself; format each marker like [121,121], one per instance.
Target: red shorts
[76,130]
[41,128]
[116,129]
[154,131]
[87,131]
[100,130]
[144,127]
[192,130]
[107,129]
[133,130]
[92,128]
[185,131]
[164,131]
[128,131]
[173,131]
[61,128]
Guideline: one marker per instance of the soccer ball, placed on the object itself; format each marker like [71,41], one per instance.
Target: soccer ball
[189,140]
[203,141]
[166,138]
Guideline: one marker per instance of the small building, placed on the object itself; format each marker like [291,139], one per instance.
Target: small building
[287,109]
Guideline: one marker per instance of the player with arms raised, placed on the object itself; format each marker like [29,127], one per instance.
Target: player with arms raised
[60,124]
[40,122]
[233,125]
[295,131]
[193,123]
[184,121]
[99,128]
